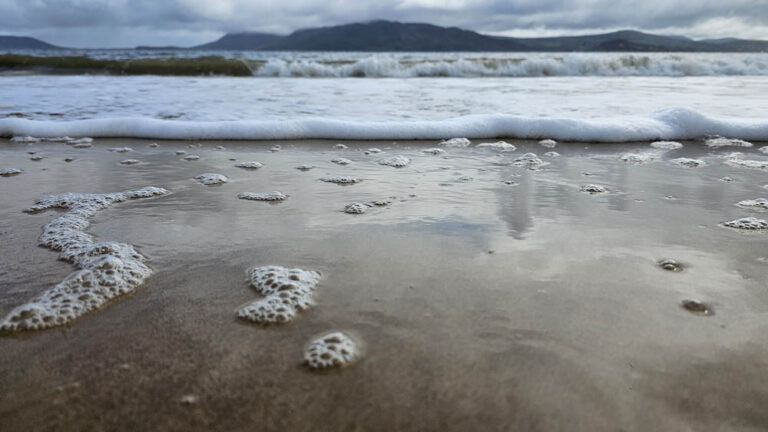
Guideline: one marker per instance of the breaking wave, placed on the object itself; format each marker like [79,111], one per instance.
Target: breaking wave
[668,124]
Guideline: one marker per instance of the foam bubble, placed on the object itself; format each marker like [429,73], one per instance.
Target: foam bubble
[341,179]
[355,208]
[341,161]
[395,161]
[209,179]
[747,223]
[121,149]
[500,146]
[285,291]
[551,154]
[688,162]
[82,145]
[340,146]
[305,167]
[181,152]
[249,165]
[7,172]
[759,204]
[548,143]
[83,142]
[434,151]
[153,145]
[373,150]
[638,158]
[276,148]
[593,188]
[36,158]
[130,161]
[666,145]
[530,161]
[718,142]
[670,265]
[263,196]
[697,307]
[191,158]
[330,350]
[456,142]
[107,269]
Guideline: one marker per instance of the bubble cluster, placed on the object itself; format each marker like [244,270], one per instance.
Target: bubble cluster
[530,161]
[395,161]
[210,179]
[687,162]
[456,142]
[355,208]
[747,223]
[500,146]
[345,180]
[341,161]
[434,151]
[548,143]
[759,203]
[107,269]
[666,145]
[249,165]
[330,350]
[7,172]
[285,291]
[262,196]
[718,142]
[593,188]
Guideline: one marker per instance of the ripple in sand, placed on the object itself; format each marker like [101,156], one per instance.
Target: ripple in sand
[688,162]
[210,179]
[191,158]
[341,161]
[670,265]
[395,161]
[355,208]
[747,224]
[548,143]
[500,146]
[666,145]
[330,350]
[252,165]
[593,188]
[121,149]
[456,142]
[434,151]
[718,142]
[7,172]
[285,291]
[107,269]
[130,162]
[697,307]
[263,196]
[758,204]
[342,180]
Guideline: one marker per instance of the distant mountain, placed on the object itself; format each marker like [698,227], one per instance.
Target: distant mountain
[235,41]
[395,36]
[24,43]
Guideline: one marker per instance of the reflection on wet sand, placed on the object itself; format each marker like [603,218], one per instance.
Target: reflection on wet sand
[481,304]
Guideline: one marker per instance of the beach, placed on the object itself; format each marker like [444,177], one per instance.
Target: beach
[486,290]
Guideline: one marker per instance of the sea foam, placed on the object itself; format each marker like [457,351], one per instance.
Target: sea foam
[285,291]
[667,124]
[107,269]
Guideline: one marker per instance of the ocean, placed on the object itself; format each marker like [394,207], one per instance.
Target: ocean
[584,96]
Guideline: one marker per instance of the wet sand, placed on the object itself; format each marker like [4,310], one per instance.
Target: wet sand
[486,296]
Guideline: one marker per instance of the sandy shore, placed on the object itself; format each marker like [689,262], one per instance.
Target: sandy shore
[486,296]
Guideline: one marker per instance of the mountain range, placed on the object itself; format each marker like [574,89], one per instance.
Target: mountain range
[396,36]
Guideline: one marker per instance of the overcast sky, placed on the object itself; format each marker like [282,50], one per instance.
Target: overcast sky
[126,23]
